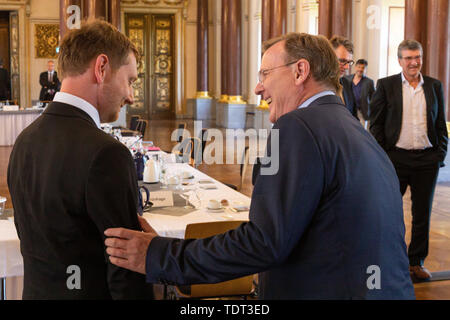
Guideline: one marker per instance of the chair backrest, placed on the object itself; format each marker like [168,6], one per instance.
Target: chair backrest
[141,126]
[244,166]
[196,151]
[235,287]
[134,122]
[181,126]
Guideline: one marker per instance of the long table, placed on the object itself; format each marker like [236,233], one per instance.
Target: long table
[169,222]
[13,122]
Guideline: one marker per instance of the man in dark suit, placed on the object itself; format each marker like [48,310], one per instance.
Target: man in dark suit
[69,180]
[343,48]
[324,225]
[362,90]
[408,121]
[49,82]
[5,86]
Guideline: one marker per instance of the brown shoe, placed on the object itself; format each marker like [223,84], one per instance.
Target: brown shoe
[420,272]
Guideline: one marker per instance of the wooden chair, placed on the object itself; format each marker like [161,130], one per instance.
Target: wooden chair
[448,129]
[196,152]
[134,122]
[242,287]
[244,166]
[182,126]
[141,126]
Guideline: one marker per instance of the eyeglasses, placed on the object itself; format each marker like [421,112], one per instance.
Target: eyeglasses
[409,59]
[345,62]
[262,74]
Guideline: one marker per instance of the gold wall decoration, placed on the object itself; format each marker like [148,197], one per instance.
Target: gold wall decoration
[135,30]
[163,63]
[173,2]
[46,40]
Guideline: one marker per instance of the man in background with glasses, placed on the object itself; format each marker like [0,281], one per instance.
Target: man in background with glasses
[344,53]
[408,121]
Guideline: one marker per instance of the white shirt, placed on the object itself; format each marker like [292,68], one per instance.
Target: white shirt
[315,97]
[414,131]
[79,103]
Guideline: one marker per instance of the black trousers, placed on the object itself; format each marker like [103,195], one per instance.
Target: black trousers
[418,170]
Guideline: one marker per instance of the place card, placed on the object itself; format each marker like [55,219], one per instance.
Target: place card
[161,199]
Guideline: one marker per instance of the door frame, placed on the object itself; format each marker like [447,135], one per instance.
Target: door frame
[179,49]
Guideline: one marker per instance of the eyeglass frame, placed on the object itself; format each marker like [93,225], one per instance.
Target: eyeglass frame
[264,72]
[411,59]
[345,62]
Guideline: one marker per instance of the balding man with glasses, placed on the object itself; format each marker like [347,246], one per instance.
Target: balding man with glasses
[408,121]
[344,52]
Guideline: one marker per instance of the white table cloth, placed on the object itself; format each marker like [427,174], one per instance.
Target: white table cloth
[165,224]
[11,262]
[172,224]
[12,124]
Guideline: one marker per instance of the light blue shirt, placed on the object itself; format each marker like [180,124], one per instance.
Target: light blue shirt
[315,97]
[79,103]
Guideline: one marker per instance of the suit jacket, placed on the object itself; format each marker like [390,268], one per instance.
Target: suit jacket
[367,90]
[5,86]
[69,182]
[55,85]
[387,111]
[317,227]
[347,94]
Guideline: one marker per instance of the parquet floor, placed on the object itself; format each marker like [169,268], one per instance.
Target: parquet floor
[439,253]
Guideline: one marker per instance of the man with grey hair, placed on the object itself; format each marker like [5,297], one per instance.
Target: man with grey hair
[324,226]
[408,121]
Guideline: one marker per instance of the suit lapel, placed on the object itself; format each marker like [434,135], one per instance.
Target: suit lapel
[428,92]
[398,97]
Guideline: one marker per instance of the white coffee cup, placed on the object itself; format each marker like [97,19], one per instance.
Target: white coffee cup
[214,204]
[186,174]
[173,180]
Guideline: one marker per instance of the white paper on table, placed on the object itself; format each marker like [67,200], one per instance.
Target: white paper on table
[161,199]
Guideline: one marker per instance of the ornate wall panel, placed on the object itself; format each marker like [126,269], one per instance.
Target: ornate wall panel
[135,31]
[163,63]
[46,40]
[15,70]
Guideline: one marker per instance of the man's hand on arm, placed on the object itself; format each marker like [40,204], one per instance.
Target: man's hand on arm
[128,248]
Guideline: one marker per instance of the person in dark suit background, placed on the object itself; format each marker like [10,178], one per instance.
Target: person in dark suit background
[343,49]
[331,211]
[69,180]
[5,84]
[362,89]
[408,121]
[49,82]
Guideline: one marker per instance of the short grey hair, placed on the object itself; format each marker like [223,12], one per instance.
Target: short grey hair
[409,45]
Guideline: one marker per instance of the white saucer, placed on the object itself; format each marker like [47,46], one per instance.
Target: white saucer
[215,210]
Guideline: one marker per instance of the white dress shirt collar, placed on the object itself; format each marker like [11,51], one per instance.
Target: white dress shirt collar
[315,97]
[404,80]
[79,103]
